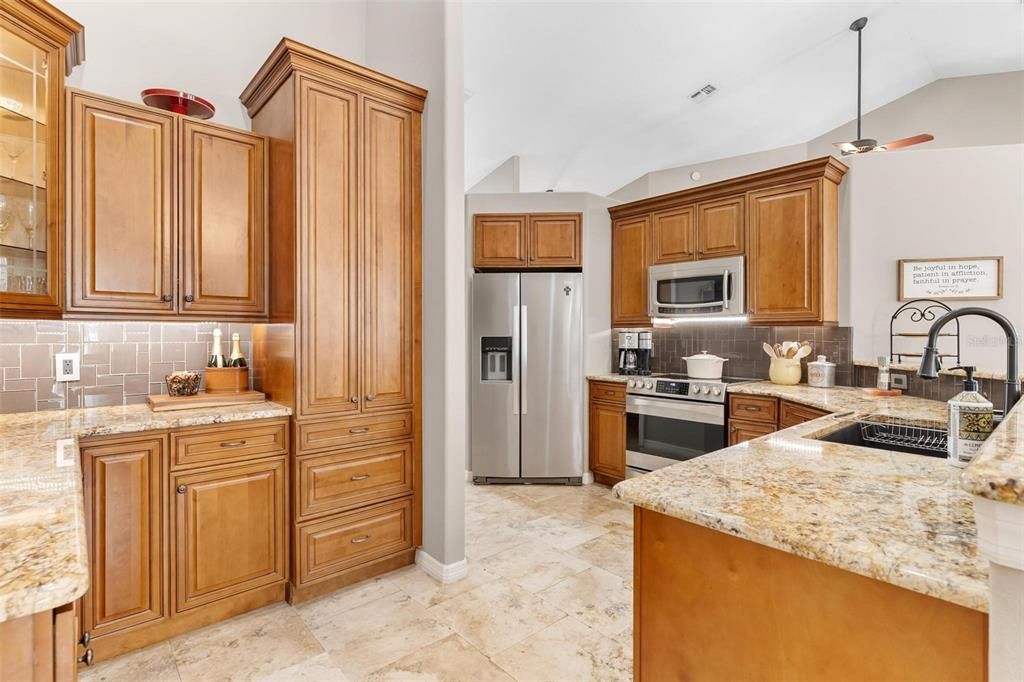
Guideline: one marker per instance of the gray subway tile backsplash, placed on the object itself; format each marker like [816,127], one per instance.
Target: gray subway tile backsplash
[121,362]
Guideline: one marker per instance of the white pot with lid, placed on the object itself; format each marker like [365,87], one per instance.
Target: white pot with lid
[703,365]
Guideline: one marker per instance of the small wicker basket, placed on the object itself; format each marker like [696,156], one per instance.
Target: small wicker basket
[182,383]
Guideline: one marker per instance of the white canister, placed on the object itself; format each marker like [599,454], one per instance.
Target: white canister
[821,373]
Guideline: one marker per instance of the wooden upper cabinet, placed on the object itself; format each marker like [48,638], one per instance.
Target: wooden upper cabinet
[389,245]
[630,259]
[122,226]
[229,531]
[556,240]
[329,321]
[673,235]
[721,225]
[124,512]
[527,240]
[500,241]
[224,228]
[784,254]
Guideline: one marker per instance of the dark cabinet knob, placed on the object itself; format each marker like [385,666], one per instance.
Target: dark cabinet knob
[87,657]
[86,638]
[189,298]
[182,489]
[166,298]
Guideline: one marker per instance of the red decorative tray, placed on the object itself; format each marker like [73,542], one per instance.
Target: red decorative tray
[179,102]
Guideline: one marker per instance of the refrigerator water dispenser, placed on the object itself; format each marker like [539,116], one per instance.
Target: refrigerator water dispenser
[496,358]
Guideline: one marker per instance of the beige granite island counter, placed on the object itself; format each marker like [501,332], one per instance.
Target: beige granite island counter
[43,558]
[896,519]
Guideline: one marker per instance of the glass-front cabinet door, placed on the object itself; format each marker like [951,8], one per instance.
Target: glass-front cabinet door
[30,88]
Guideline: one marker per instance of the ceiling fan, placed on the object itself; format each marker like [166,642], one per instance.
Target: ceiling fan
[864,145]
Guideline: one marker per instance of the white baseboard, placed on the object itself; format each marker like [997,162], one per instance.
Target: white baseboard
[469,476]
[588,477]
[444,573]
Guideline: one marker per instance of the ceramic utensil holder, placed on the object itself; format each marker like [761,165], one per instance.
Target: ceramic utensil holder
[785,371]
[227,379]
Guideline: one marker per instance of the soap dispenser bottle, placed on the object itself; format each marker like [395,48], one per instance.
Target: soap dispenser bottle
[970,421]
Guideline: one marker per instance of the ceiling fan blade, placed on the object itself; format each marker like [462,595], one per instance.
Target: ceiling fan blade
[845,147]
[906,142]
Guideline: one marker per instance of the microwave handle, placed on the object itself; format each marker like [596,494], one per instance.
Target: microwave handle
[725,289]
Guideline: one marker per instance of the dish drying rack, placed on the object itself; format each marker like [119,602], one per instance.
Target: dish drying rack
[924,434]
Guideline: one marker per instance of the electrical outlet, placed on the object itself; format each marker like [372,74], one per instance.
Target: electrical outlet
[898,381]
[68,367]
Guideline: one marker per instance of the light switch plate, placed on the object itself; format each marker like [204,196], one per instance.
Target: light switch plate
[898,381]
[68,367]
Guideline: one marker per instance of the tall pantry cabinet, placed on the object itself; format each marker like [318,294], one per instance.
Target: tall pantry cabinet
[343,344]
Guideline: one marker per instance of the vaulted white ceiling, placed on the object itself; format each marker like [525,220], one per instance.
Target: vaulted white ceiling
[591,95]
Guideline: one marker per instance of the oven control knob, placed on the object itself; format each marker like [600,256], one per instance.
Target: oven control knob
[705,390]
[631,383]
[649,385]
[716,391]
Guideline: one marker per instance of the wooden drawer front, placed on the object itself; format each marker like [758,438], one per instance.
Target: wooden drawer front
[224,443]
[608,391]
[336,480]
[754,408]
[339,433]
[791,414]
[330,546]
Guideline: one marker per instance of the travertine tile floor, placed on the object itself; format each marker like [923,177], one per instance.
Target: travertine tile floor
[549,596]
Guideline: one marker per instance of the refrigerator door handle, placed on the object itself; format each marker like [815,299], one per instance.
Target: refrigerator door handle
[515,359]
[524,332]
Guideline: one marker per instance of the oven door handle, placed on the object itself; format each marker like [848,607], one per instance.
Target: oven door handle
[676,409]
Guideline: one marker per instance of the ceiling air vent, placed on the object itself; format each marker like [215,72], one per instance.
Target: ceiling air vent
[703,93]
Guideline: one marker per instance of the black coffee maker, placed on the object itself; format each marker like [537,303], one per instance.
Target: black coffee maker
[644,348]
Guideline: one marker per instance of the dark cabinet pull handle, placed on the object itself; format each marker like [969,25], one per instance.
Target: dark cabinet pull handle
[233,444]
[189,298]
[361,539]
[182,489]
[166,298]
[87,657]
[361,477]
[362,429]
[752,408]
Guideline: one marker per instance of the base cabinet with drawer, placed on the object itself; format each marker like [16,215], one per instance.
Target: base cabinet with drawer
[607,431]
[753,416]
[185,528]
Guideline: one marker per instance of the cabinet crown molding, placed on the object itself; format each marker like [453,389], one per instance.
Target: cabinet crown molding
[827,167]
[57,27]
[291,56]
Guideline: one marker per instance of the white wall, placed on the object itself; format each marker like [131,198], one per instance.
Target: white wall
[504,178]
[211,49]
[933,204]
[420,41]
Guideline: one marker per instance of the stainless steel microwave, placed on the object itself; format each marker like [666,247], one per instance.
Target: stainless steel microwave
[711,287]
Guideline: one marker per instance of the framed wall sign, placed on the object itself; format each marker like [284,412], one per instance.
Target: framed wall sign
[974,278]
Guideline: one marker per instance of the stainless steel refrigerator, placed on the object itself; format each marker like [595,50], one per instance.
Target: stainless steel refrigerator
[526,410]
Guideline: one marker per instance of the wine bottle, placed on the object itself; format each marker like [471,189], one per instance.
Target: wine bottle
[237,360]
[217,358]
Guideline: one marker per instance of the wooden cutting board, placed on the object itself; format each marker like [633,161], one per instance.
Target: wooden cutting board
[164,403]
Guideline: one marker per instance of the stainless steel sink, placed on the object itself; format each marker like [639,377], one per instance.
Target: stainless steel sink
[926,438]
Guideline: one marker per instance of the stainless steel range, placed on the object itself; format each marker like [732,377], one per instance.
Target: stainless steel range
[671,418]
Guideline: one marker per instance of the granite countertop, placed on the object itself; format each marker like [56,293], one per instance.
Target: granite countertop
[43,557]
[900,518]
[997,471]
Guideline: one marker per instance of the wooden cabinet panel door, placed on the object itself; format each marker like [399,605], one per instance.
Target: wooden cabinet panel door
[608,439]
[124,512]
[390,272]
[500,241]
[328,314]
[556,241]
[673,235]
[630,258]
[229,530]
[784,254]
[721,225]
[741,431]
[224,229]
[122,219]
